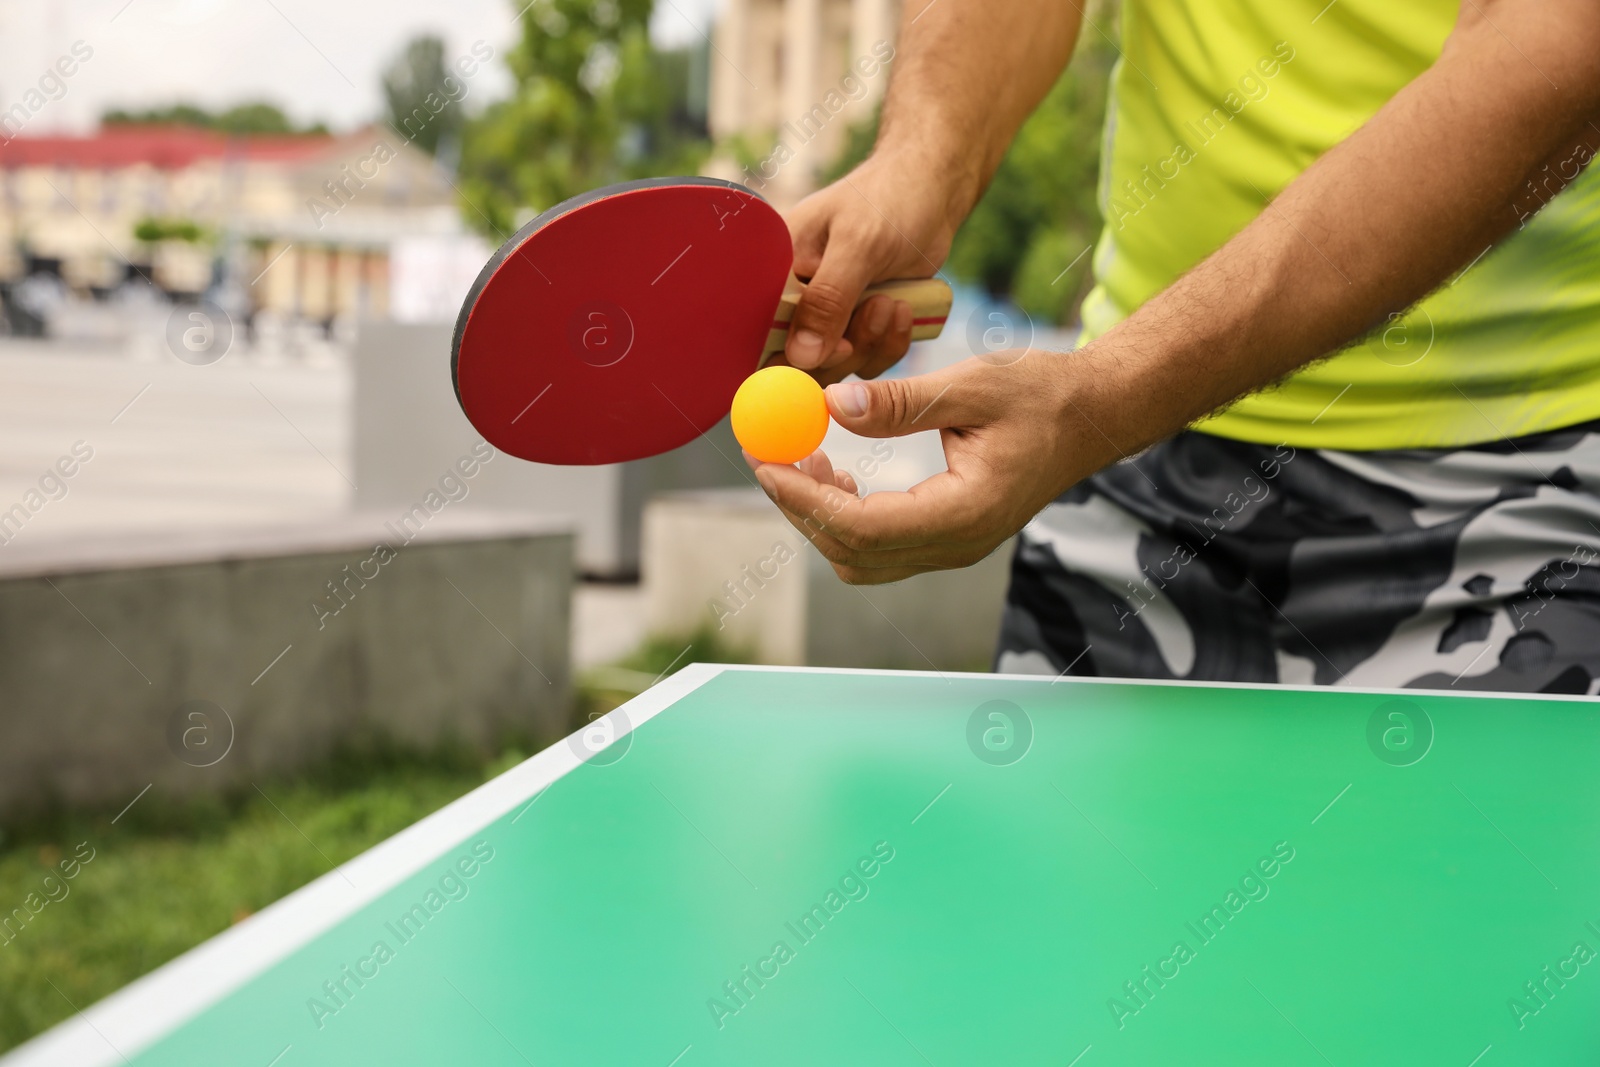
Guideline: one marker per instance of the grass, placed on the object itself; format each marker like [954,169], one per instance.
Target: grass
[604,688]
[170,874]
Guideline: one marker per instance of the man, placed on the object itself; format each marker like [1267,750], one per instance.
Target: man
[1280,181]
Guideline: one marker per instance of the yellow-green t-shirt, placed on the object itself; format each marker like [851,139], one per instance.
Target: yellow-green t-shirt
[1217,105]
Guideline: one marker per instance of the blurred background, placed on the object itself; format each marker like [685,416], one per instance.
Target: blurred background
[265,596]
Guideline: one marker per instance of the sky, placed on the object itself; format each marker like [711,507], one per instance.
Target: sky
[317,59]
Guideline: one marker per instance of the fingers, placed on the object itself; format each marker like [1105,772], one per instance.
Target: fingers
[819,468]
[880,334]
[879,575]
[916,527]
[872,323]
[839,265]
[862,352]
[857,566]
[838,252]
[894,407]
[817,500]
[824,310]
[862,543]
[1010,447]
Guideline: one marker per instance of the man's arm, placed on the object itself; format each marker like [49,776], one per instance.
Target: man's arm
[966,74]
[1375,224]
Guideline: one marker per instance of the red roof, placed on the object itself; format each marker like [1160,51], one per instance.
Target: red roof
[166,147]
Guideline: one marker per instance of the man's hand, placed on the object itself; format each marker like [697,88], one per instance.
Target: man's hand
[966,74]
[877,223]
[1013,442]
[1363,231]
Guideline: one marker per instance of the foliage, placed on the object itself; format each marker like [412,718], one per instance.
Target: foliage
[1039,213]
[171,874]
[594,102]
[663,653]
[150,230]
[604,688]
[416,74]
[251,118]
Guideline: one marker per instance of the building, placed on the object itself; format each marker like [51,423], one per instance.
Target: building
[788,80]
[303,223]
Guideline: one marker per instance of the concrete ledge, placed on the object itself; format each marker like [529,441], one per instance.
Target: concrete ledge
[336,533]
[728,560]
[207,659]
[408,428]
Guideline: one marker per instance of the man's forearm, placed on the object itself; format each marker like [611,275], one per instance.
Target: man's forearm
[967,73]
[1372,227]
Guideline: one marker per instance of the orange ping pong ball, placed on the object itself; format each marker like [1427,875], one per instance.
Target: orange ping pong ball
[780,415]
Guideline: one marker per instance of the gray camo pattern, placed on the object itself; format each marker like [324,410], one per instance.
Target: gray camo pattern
[1211,559]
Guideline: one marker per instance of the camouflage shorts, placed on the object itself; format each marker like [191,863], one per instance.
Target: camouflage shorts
[1211,559]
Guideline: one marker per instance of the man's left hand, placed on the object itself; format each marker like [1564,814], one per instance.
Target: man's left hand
[1013,442]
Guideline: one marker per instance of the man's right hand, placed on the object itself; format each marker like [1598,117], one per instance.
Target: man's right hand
[883,220]
[966,74]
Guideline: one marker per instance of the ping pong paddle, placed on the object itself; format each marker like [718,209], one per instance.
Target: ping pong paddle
[619,324]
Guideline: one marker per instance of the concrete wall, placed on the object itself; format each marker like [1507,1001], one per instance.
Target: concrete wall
[728,559]
[409,430]
[200,662]
[944,621]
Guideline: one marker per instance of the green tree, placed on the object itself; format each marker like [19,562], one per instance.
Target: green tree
[151,230]
[175,115]
[419,97]
[594,103]
[1039,214]
[261,117]
[257,117]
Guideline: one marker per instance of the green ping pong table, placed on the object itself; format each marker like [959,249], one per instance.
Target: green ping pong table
[788,866]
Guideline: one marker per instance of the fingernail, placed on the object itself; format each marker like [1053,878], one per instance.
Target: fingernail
[878,318]
[849,399]
[765,479]
[805,348]
[902,316]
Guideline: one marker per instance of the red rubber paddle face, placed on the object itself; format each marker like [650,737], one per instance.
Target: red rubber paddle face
[618,325]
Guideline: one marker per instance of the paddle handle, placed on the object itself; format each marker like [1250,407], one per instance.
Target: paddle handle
[929,299]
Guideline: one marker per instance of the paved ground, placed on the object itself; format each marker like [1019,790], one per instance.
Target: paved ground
[238,442]
[247,440]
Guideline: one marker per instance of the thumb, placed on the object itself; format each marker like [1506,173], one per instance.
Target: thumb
[894,407]
[826,304]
